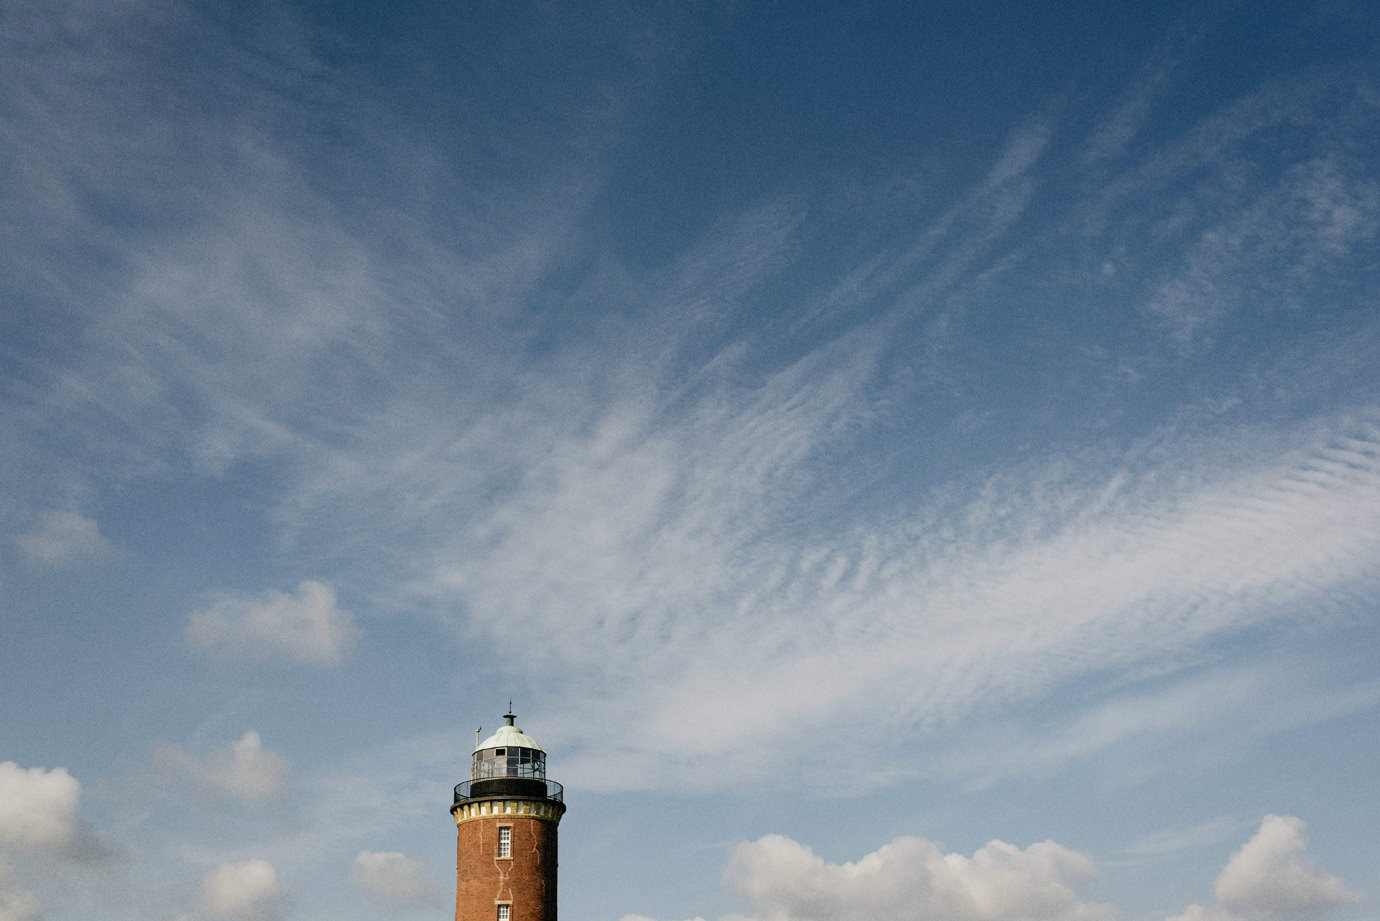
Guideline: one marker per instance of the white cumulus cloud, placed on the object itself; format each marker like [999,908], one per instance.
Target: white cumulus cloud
[38,808]
[244,769]
[912,878]
[62,537]
[393,876]
[17,904]
[1270,878]
[245,891]
[305,627]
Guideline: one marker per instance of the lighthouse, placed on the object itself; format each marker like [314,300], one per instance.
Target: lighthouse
[506,815]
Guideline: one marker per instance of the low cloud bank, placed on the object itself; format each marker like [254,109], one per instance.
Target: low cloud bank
[913,878]
[1269,879]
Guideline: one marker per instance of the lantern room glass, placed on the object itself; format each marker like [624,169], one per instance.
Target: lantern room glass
[508,762]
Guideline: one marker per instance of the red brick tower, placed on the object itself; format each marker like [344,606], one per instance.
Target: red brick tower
[507,813]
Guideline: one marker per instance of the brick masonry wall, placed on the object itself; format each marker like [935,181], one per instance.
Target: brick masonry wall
[527,880]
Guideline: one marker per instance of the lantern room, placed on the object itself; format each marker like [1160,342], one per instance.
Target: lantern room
[508,762]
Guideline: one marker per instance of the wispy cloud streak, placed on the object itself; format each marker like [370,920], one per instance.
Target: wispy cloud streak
[677,489]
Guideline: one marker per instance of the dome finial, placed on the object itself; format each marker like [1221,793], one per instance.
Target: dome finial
[510,716]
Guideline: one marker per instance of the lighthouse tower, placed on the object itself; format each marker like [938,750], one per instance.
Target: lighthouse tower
[507,813]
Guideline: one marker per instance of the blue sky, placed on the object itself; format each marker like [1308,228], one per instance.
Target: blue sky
[900,460]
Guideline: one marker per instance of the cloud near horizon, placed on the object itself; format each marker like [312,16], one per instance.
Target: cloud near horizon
[246,890]
[911,878]
[1269,879]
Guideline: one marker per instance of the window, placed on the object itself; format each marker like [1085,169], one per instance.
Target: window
[505,843]
[504,911]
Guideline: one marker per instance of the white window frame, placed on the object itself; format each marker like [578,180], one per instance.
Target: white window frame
[505,911]
[505,844]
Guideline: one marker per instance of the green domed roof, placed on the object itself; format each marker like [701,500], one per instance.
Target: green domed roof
[509,735]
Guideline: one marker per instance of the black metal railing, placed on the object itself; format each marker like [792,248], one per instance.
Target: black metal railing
[496,787]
